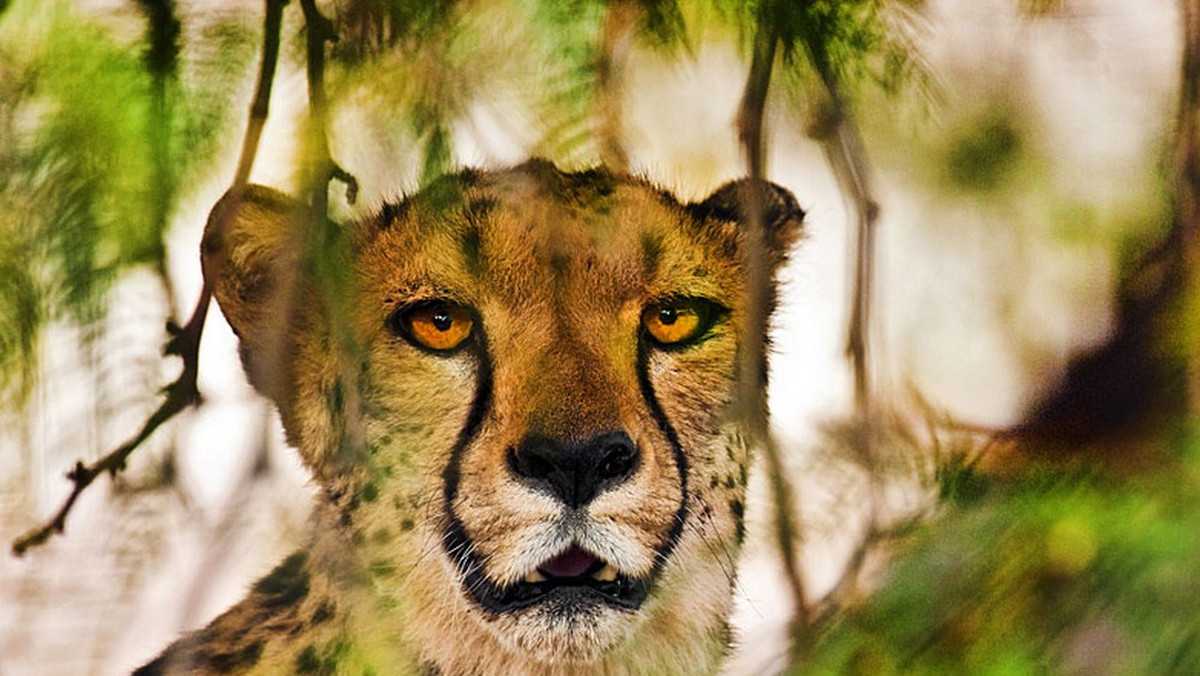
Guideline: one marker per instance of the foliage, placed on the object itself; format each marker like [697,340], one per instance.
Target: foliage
[1057,571]
[79,164]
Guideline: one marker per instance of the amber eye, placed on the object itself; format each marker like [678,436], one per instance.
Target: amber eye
[677,321]
[439,326]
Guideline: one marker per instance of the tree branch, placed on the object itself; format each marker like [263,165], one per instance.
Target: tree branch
[839,137]
[260,106]
[750,126]
[185,341]
[320,30]
[180,395]
[616,29]
[1187,186]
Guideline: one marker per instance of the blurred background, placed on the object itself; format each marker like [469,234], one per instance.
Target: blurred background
[1023,158]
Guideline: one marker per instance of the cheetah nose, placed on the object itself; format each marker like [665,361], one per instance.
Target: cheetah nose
[575,472]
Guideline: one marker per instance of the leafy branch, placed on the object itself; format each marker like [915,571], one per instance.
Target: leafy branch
[183,393]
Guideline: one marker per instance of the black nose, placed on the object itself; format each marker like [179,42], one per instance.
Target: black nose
[575,472]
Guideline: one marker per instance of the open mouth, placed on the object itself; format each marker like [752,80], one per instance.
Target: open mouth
[575,574]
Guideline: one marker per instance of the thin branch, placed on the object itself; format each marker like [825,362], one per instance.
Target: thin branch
[1187,167]
[319,238]
[849,583]
[615,32]
[750,125]
[320,30]
[261,103]
[183,393]
[840,139]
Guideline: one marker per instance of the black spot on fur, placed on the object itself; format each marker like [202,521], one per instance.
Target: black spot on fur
[324,612]
[592,185]
[406,525]
[469,177]
[285,585]
[391,213]
[381,568]
[560,263]
[370,492]
[471,247]
[236,659]
[382,536]
[652,248]
[307,662]
[322,661]
[739,520]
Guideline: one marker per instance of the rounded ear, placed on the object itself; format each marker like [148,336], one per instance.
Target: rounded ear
[782,215]
[251,256]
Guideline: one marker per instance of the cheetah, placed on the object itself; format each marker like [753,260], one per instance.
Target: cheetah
[518,402]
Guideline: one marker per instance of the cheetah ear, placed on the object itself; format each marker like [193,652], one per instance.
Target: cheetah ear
[782,214]
[251,256]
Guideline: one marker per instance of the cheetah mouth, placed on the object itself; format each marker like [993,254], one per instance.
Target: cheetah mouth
[573,577]
[573,581]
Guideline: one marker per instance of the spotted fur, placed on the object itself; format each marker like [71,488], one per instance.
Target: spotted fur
[427,528]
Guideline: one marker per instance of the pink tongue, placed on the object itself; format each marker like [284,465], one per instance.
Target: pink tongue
[572,563]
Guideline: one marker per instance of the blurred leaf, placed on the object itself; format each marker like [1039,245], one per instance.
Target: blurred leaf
[1061,572]
[368,28]
[90,158]
[851,42]
[984,153]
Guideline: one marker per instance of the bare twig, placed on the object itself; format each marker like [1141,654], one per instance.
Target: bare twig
[839,137]
[320,30]
[1187,167]
[617,28]
[261,104]
[750,125]
[185,341]
[849,585]
[318,238]
[180,395]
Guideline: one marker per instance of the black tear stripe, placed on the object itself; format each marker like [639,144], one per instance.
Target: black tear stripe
[458,546]
[626,594]
[681,461]
[454,536]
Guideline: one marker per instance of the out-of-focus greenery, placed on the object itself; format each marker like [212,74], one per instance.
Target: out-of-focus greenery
[104,115]
[439,57]
[85,166]
[1055,572]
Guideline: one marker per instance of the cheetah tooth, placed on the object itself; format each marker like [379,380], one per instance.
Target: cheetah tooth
[606,574]
[534,576]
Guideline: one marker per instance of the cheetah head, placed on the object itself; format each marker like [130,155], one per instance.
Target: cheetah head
[517,389]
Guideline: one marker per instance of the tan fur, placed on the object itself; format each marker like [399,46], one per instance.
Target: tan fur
[558,269]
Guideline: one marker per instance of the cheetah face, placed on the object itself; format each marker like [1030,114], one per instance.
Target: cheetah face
[542,386]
